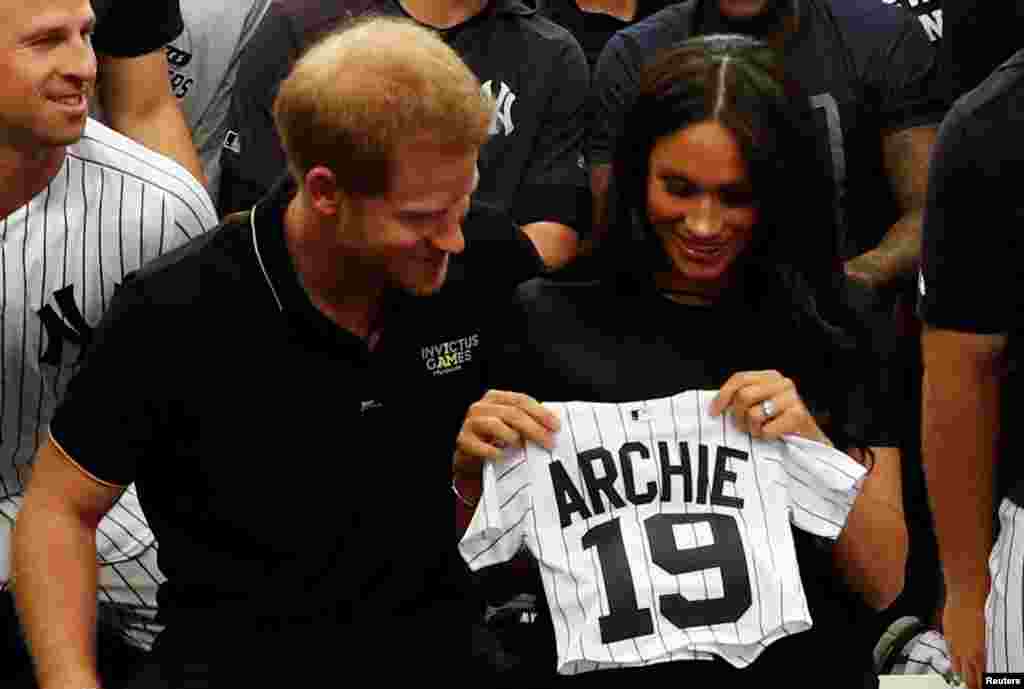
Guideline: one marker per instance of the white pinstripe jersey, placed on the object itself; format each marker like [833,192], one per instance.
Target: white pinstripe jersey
[112,206]
[662,533]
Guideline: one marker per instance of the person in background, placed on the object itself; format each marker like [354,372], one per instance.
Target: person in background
[202,64]
[970,303]
[133,94]
[869,70]
[593,22]
[533,166]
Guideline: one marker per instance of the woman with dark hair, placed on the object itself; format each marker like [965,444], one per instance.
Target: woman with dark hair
[720,274]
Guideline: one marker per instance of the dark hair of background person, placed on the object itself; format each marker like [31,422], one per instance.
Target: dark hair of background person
[792,260]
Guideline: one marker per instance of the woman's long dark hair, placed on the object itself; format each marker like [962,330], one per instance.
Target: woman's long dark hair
[793,262]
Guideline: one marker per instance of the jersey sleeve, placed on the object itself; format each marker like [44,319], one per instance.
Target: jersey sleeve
[966,283]
[555,186]
[109,417]
[822,485]
[497,530]
[190,210]
[903,73]
[251,156]
[130,28]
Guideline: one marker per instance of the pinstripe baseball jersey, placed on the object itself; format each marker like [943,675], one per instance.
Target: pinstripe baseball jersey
[111,207]
[662,533]
[1004,607]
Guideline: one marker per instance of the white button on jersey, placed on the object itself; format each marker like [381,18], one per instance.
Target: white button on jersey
[662,533]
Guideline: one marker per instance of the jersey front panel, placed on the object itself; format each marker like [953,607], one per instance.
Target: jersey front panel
[662,533]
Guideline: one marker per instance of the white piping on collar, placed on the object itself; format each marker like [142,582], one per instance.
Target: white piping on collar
[259,259]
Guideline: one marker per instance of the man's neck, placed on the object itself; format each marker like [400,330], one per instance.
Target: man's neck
[624,10]
[337,285]
[774,26]
[23,175]
[443,14]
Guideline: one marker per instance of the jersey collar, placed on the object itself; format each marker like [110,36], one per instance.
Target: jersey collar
[283,286]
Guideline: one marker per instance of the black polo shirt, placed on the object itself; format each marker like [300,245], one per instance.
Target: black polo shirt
[298,483]
[607,342]
[869,70]
[533,164]
[130,28]
[973,282]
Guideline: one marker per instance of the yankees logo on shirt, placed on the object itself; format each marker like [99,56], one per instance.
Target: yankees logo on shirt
[662,533]
[112,207]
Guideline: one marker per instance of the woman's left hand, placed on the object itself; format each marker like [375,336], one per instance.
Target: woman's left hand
[748,395]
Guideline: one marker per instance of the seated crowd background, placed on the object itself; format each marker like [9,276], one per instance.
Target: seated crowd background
[427,222]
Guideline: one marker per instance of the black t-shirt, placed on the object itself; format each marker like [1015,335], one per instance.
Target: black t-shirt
[532,166]
[601,342]
[970,282]
[929,13]
[130,28]
[869,70]
[297,483]
[593,29]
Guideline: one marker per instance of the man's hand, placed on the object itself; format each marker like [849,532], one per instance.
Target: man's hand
[556,243]
[963,625]
[870,270]
[499,420]
[745,393]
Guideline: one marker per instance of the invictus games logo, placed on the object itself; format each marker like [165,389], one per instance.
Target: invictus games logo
[449,357]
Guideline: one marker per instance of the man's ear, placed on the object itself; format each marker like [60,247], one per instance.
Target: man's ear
[324,195]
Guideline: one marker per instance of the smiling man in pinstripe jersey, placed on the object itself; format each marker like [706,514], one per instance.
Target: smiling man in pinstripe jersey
[80,206]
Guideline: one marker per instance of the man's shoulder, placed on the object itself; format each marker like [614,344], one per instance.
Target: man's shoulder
[110,150]
[661,29]
[1002,90]
[538,27]
[868,21]
[210,267]
[989,117]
